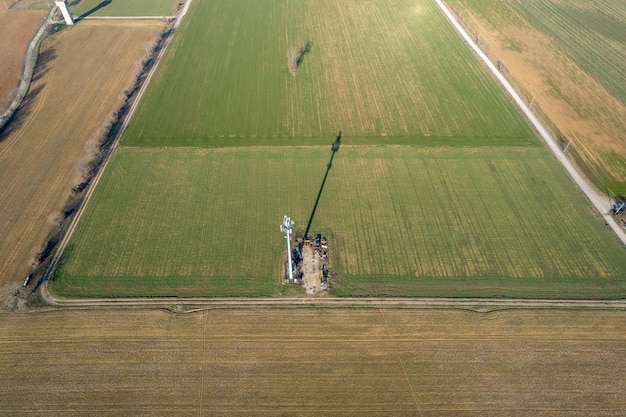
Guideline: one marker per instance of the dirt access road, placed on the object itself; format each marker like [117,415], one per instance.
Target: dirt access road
[183,304]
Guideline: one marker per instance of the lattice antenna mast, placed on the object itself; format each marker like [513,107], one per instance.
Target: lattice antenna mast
[286,229]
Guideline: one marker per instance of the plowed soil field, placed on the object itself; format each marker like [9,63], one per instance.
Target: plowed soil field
[78,84]
[313,363]
[17,28]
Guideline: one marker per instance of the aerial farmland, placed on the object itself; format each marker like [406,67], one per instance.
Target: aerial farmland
[440,187]
[47,147]
[564,58]
[144,177]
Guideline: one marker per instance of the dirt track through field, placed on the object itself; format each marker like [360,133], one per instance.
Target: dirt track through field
[374,302]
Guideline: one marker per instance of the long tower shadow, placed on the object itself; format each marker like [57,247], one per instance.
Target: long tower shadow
[93,10]
[334,149]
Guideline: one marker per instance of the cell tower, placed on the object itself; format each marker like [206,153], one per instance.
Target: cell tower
[65,11]
[286,227]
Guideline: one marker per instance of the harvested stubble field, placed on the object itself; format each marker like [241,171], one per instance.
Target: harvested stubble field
[567,58]
[386,71]
[43,151]
[313,363]
[17,28]
[121,8]
[402,221]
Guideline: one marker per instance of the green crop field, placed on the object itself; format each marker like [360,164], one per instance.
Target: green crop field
[85,8]
[402,221]
[593,33]
[384,71]
[182,211]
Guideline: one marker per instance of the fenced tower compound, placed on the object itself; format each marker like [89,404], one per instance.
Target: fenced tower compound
[65,11]
[286,227]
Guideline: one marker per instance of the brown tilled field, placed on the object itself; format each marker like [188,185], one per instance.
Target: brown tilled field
[17,28]
[78,84]
[313,362]
[576,104]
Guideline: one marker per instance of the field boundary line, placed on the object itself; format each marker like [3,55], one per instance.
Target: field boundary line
[125,120]
[598,201]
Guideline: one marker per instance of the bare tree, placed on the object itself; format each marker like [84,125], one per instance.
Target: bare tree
[9,296]
[295,56]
